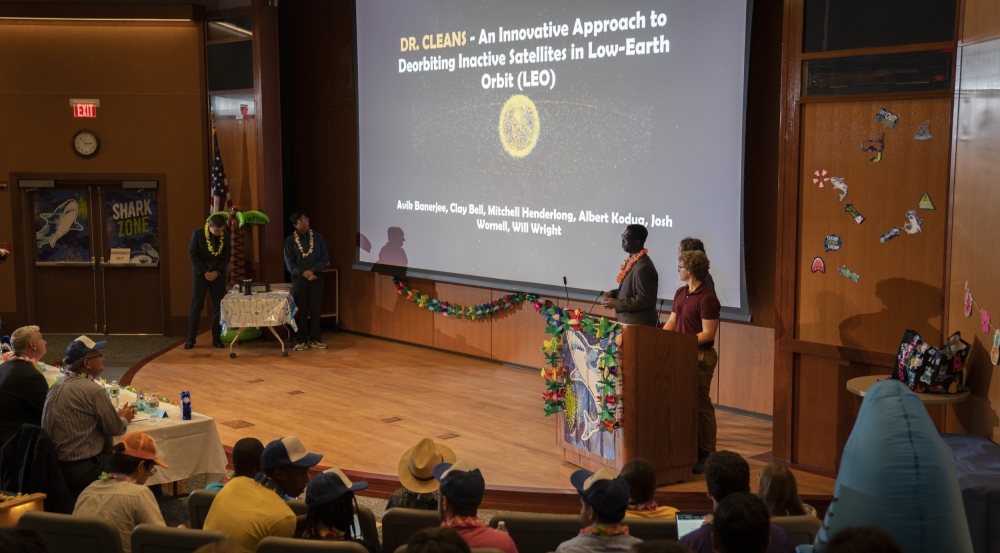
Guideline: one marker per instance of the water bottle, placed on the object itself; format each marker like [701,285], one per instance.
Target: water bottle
[501,527]
[186,405]
[115,393]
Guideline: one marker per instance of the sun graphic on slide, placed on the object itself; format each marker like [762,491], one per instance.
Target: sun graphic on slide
[519,125]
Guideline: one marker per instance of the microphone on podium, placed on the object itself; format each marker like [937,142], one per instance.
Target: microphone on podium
[599,294]
[566,287]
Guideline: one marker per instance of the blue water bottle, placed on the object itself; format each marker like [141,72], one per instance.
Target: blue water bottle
[186,405]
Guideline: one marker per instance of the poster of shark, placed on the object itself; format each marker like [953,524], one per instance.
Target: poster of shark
[580,354]
[62,224]
[133,223]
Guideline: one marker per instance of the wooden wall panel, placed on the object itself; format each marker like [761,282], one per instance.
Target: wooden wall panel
[746,371]
[517,338]
[400,318]
[901,281]
[982,20]
[975,238]
[462,336]
[149,78]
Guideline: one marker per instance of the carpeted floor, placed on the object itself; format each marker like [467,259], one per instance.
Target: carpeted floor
[119,355]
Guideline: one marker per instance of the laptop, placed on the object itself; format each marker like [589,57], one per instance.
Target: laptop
[688,522]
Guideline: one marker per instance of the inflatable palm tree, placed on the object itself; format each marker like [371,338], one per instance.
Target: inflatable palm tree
[237,219]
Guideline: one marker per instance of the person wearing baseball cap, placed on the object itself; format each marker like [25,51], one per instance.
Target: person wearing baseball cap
[251,509]
[462,489]
[120,495]
[331,502]
[416,474]
[79,417]
[604,495]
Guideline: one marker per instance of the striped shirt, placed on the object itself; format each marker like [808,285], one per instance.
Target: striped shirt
[80,419]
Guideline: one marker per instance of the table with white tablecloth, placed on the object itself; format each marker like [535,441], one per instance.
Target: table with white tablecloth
[259,309]
[190,447]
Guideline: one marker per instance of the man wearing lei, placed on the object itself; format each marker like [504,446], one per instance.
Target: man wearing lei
[305,259]
[461,492]
[604,496]
[635,299]
[22,386]
[209,251]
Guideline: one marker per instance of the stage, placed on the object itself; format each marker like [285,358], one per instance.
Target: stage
[364,401]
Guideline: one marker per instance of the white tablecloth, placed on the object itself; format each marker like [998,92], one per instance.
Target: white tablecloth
[274,308]
[189,447]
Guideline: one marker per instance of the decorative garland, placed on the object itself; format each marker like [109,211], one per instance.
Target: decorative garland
[557,320]
[479,312]
[299,244]
[208,240]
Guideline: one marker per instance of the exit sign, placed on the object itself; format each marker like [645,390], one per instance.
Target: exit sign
[85,108]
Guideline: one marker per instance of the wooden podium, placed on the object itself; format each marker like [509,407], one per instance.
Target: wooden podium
[658,385]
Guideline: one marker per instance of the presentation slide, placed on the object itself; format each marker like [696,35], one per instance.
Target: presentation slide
[511,142]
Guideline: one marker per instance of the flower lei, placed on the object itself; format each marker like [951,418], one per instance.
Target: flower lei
[627,266]
[647,506]
[299,244]
[116,476]
[605,531]
[41,367]
[208,241]
[463,522]
[470,312]
[328,533]
[558,320]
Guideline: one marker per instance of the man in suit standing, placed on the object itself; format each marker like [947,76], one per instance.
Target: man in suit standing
[305,258]
[210,250]
[635,299]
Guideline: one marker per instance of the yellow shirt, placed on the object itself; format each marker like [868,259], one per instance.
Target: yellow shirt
[249,512]
[660,512]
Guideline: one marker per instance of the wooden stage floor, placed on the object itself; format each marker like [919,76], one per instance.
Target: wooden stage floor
[364,401]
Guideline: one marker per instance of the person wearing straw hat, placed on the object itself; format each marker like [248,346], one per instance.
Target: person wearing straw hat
[331,502]
[416,474]
[462,489]
[120,495]
[604,495]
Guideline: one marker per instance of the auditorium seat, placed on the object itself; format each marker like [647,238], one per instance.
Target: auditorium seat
[652,528]
[73,534]
[292,545]
[801,530]
[537,533]
[150,538]
[298,507]
[398,524]
[199,502]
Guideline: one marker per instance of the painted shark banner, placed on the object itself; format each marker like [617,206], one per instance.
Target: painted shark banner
[580,354]
[62,224]
[133,223]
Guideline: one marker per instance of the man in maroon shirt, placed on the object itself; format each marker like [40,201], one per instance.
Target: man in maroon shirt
[696,311]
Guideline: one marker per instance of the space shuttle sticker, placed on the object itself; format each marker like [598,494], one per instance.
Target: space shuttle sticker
[134,224]
[62,224]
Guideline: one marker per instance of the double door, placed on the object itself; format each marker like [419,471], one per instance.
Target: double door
[94,256]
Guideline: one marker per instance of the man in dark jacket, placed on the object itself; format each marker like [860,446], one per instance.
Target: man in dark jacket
[22,386]
[635,299]
[210,250]
[305,259]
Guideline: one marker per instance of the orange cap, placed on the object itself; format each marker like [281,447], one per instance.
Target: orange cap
[141,446]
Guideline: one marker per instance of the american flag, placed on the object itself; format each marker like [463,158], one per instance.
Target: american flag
[219,199]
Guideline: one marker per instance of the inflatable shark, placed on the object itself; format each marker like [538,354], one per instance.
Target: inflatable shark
[58,223]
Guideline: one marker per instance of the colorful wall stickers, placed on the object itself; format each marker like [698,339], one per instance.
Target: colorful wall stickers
[985,322]
[894,232]
[995,352]
[875,146]
[838,184]
[926,203]
[832,242]
[820,177]
[912,225]
[818,265]
[887,118]
[848,273]
[849,208]
[924,132]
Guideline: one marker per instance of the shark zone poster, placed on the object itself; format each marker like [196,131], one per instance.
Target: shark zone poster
[62,224]
[580,354]
[132,223]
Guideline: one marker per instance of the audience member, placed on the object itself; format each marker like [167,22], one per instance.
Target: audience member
[641,479]
[780,493]
[604,496]
[246,462]
[437,540]
[251,509]
[462,488]
[416,474]
[22,386]
[727,473]
[741,525]
[222,546]
[863,539]
[331,502]
[695,245]
[660,546]
[19,540]
[120,494]
[79,417]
